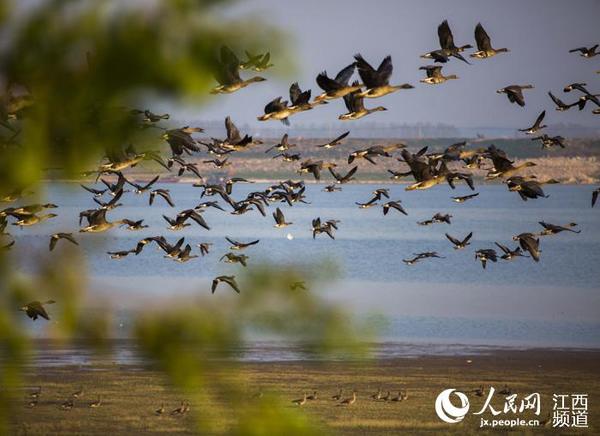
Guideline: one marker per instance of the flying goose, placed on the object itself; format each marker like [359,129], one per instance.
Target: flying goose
[332,188]
[117,188]
[508,253]
[236,245]
[486,254]
[35,309]
[30,220]
[180,140]
[184,166]
[377,81]
[257,63]
[464,198]
[437,56]
[204,247]
[447,45]
[283,145]
[134,225]
[515,93]
[334,142]
[234,139]
[338,87]
[528,188]
[328,227]
[502,165]
[346,177]
[420,256]
[232,180]
[179,222]
[587,96]
[96,192]
[57,236]
[550,141]
[120,254]
[484,45]
[393,205]
[277,109]
[228,74]
[314,167]
[163,193]
[113,203]
[586,52]
[97,222]
[218,163]
[537,126]
[372,152]
[435,76]
[355,105]
[437,218]
[184,255]
[280,219]
[235,258]
[553,229]
[459,244]
[149,116]
[528,242]
[230,280]
[32,209]
[560,105]
[287,157]
[171,251]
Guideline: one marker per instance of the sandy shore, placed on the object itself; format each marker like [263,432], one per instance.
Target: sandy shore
[130,394]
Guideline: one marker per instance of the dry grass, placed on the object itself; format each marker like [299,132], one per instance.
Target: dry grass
[130,395]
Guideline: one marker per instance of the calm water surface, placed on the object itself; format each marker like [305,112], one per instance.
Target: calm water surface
[447,301]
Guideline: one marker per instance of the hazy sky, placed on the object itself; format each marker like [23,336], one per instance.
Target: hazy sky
[326,34]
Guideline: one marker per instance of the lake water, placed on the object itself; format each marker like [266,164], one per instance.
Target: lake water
[555,302]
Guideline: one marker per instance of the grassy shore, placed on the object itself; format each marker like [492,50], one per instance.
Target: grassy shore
[131,394]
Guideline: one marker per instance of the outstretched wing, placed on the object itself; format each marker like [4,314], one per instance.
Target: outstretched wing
[445,36]
[326,83]
[233,134]
[367,73]
[344,75]
[482,38]
[385,70]
[452,239]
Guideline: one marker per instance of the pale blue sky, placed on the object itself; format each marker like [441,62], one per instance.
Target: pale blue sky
[326,34]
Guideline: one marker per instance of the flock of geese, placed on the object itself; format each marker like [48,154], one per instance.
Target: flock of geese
[349,401]
[70,403]
[426,169]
